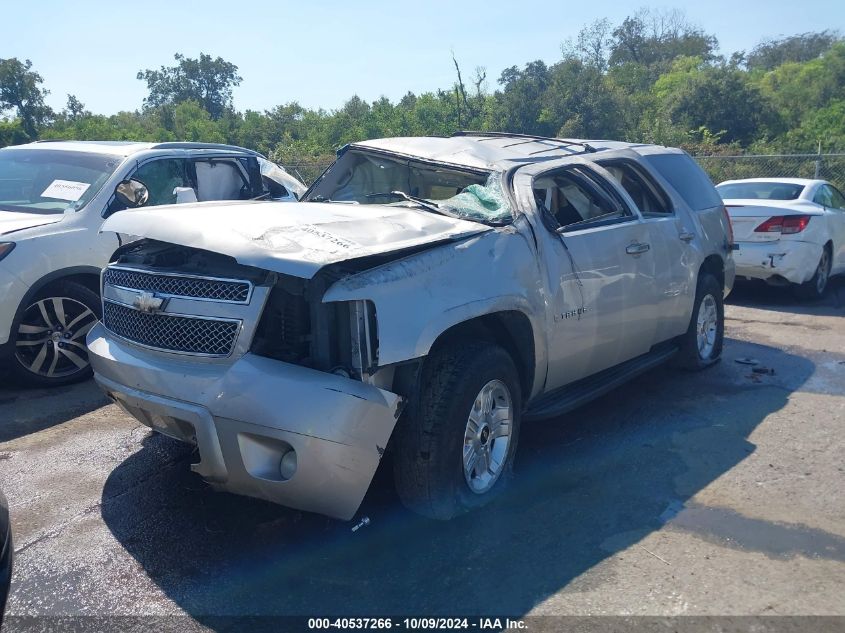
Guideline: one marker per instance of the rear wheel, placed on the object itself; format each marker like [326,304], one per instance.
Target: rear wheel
[815,288]
[456,444]
[49,340]
[701,346]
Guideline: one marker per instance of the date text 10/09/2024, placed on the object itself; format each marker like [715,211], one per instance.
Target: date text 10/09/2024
[435,624]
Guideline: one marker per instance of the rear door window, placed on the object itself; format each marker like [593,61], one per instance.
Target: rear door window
[687,178]
[646,194]
[163,177]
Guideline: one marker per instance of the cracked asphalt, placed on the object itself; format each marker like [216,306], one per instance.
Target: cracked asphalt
[714,493]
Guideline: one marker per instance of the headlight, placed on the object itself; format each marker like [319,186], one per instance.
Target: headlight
[364,339]
[6,248]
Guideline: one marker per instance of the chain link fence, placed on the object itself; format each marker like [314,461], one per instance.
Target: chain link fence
[829,167]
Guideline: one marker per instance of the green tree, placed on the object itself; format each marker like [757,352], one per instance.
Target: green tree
[770,54]
[75,109]
[206,81]
[518,105]
[193,123]
[21,91]
[798,89]
[578,102]
[656,38]
[719,99]
[825,125]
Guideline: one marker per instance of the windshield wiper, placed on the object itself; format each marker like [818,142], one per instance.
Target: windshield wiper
[425,204]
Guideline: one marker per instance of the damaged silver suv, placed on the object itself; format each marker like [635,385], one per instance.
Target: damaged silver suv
[424,298]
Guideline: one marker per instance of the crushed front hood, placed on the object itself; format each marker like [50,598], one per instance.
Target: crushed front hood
[294,238]
[12,221]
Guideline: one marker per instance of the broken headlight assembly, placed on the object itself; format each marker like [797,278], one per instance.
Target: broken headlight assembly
[351,344]
[363,344]
[297,327]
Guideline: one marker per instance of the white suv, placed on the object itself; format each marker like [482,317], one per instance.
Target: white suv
[423,297]
[53,198]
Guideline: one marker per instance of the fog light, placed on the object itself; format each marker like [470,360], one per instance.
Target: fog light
[287,467]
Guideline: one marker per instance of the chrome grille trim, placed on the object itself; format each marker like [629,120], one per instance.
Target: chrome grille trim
[169,332]
[166,284]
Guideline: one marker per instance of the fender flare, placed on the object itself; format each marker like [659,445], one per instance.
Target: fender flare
[466,312]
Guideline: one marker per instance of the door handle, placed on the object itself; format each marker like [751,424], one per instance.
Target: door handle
[686,236]
[637,248]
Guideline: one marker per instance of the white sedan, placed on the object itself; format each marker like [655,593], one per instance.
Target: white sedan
[788,231]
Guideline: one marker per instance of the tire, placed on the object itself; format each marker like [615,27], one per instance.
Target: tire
[815,288]
[435,440]
[47,352]
[701,346]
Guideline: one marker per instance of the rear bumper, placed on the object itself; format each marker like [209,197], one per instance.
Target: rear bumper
[244,417]
[791,260]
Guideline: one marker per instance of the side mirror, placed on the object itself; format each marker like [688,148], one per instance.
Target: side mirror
[132,193]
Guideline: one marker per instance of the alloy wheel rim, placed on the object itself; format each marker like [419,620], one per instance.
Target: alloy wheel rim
[488,436]
[707,325]
[51,337]
[822,273]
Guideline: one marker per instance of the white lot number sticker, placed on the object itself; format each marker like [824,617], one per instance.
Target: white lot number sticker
[65,190]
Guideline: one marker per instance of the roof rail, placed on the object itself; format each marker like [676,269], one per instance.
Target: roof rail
[532,137]
[191,145]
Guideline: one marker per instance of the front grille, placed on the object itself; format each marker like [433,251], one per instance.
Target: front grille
[191,335]
[180,286]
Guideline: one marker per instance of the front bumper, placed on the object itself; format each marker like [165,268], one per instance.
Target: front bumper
[791,260]
[245,416]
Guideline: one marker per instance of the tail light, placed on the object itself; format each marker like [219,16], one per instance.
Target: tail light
[730,227]
[784,224]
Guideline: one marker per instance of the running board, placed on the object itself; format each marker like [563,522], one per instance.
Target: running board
[581,392]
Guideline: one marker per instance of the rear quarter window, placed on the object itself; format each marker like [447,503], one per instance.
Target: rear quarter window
[687,178]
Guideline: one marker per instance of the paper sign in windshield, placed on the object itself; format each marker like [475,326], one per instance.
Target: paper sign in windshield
[65,190]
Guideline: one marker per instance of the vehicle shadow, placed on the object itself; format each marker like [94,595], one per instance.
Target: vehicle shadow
[588,485]
[760,295]
[26,410]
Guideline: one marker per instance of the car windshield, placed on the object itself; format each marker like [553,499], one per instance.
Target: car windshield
[760,191]
[368,178]
[51,181]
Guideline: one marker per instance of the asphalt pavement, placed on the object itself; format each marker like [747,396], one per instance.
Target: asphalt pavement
[721,492]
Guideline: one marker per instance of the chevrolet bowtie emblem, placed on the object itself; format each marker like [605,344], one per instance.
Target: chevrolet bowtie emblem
[147,302]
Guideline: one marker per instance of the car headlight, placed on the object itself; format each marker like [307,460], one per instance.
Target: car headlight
[364,339]
[6,248]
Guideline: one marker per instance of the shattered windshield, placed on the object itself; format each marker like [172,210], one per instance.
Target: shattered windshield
[363,178]
[51,181]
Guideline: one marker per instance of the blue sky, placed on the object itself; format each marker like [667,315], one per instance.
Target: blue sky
[321,53]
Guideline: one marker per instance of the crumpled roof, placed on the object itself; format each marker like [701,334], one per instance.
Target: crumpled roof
[484,152]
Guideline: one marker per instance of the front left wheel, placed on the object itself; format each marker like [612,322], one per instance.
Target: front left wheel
[456,443]
[49,339]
